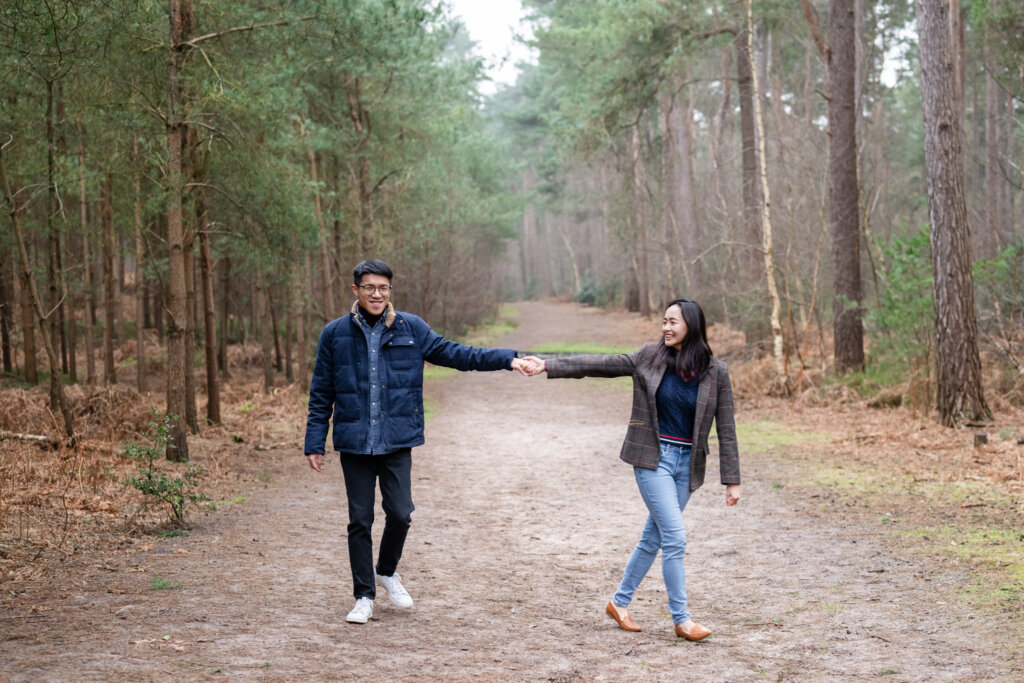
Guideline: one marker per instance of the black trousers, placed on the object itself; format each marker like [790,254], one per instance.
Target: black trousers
[394,471]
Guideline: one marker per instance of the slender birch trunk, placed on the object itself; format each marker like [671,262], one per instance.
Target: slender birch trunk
[766,222]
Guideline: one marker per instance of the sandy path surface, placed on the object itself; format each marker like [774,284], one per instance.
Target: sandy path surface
[525,518]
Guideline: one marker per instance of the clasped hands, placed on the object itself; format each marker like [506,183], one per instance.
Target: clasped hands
[529,366]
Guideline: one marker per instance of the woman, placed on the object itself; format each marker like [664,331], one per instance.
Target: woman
[679,388]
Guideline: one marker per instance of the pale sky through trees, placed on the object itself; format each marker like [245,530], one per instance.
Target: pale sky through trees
[493,25]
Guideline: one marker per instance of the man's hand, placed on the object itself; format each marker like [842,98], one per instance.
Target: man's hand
[732,494]
[534,366]
[529,366]
[316,461]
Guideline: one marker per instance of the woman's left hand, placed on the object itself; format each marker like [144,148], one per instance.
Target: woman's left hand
[732,494]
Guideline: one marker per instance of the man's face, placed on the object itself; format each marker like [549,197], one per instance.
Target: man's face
[371,297]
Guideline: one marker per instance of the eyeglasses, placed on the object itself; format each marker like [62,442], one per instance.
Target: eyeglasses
[370,289]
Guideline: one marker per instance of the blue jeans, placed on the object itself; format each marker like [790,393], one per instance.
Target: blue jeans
[665,491]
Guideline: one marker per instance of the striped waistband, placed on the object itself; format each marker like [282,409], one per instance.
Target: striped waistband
[675,440]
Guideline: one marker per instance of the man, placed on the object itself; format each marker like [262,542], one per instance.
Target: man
[369,375]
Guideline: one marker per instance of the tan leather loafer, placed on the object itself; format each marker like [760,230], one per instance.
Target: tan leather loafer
[695,632]
[620,615]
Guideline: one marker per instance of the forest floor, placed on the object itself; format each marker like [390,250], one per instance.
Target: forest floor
[868,544]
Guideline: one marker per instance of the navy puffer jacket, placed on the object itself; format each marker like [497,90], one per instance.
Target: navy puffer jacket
[341,380]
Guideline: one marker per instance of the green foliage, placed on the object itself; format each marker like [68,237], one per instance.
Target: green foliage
[593,293]
[902,327]
[158,482]
[998,284]
[170,533]
[159,583]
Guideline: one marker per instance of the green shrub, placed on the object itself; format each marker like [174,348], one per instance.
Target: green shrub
[998,297]
[902,327]
[177,491]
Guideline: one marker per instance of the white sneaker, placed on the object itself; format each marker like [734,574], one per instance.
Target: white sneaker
[362,612]
[396,592]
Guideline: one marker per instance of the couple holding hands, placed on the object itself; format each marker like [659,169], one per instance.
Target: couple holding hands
[369,376]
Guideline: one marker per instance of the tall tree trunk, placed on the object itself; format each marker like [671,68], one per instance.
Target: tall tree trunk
[672,252]
[52,246]
[689,228]
[640,236]
[1008,211]
[750,222]
[361,123]
[64,311]
[989,239]
[160,303]
[563,231]
[844,191]
[180,28]
[222,339]
[767,245]
[83,220]
[289,336]
[140,289]
[191,170]
[300,329]
[278,360]
[326,288]
[107,224]
[28,328]
[263,314]
[118,255]
[191,411]
[209,324]
[959,389]
[6,306]
[30,292]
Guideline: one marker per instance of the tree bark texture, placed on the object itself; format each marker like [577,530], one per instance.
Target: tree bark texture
[192,172]
[326,289]
[177,447]
[68,325]
[107,224]
[222,339]
[266,346]
[844,191]
[639,236]
[209,322]
[6,307]
[53,302]
[750,216]
[83,218]
[140,290]
[689,224]
[959,390]
[28,328]
[767,244]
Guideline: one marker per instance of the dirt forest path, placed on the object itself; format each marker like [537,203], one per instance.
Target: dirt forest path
[525,518]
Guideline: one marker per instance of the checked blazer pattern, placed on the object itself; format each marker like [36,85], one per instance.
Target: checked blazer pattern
[641,447]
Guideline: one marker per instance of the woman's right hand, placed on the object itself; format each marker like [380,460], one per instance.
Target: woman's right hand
[535,365]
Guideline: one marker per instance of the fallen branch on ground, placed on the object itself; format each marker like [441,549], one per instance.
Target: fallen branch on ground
[39,438]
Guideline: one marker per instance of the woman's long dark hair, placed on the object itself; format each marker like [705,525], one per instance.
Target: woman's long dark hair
[694,356]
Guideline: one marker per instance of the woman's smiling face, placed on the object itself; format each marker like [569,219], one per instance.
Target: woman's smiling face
[673,328]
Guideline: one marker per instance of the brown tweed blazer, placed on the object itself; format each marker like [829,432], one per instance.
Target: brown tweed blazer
[641,447]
